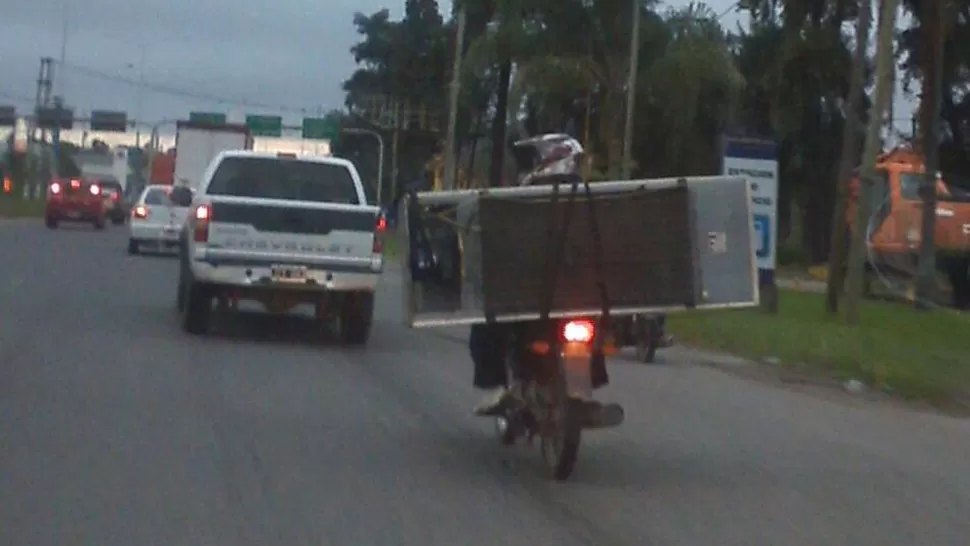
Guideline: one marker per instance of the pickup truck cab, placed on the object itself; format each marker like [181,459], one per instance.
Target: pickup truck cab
[281,230]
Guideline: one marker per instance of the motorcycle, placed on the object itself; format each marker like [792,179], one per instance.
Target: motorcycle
[555,363]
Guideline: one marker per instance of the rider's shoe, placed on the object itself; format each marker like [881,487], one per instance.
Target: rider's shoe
[493,402]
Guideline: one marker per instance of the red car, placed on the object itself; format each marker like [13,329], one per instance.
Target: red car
[75,200]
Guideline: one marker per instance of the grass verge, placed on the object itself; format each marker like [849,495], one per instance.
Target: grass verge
[15,207]
[391,246]
[919,355]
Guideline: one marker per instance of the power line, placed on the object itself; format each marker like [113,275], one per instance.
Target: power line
[175,91]
[15,97]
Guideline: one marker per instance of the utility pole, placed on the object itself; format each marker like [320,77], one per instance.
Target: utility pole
[850,144]
[450,160]
[45,77]
[857,251]
[631,92]
[931,39]
[56,137]
[140,96]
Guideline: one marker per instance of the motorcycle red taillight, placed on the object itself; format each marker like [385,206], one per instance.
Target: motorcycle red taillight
[579,331]
[201,218]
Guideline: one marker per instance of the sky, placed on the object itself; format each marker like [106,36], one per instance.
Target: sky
[282,57]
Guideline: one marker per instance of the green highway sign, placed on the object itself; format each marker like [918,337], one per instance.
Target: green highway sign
[265,125]
[55,117]
[8,116]
[104,120]
[320,128]
[209,118]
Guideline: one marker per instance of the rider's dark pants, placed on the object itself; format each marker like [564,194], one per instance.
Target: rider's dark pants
[489,348]
[488,345]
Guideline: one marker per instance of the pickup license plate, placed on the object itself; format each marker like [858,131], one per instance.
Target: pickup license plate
[288,273]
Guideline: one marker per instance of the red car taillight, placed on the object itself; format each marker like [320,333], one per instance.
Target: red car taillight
[95,189]
[202,218]
[140,212]
[56,188]
[379,230]
[579,331]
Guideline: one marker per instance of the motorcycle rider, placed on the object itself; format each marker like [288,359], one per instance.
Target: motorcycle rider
[488,344]
[539,158]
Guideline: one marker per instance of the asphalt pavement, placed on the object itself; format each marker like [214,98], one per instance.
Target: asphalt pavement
[117,429]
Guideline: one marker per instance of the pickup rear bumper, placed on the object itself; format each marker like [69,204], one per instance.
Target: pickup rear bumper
[328,276]
[328,262]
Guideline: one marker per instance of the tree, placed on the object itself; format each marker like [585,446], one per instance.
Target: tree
[857,251]
[839,246]
[932,46]
[399,87]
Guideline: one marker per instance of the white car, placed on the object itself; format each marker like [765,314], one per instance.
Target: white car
[155,221]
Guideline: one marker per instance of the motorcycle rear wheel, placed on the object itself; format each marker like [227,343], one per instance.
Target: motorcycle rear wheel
[562,435]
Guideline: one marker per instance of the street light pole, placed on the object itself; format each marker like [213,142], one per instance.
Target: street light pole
[631,92]
[380,155]
[450,159]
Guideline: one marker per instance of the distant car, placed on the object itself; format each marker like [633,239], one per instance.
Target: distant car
[75,200]
[117,204]
[156,222]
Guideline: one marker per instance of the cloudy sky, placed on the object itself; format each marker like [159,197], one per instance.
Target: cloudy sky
[284,54]
[258,56]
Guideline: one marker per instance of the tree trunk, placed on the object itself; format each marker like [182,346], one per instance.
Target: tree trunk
[931,39]
[839,247]
[497,167]
[857,252]
[611,119]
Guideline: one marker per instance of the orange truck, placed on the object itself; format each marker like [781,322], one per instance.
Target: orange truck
[163,168]
[894,229]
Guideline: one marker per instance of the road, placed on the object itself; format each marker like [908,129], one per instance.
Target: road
[116,429]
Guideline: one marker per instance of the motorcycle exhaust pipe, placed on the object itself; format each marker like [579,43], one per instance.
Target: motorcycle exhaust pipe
[599,415]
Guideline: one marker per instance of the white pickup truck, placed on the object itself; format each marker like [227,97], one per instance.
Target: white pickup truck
[281,230]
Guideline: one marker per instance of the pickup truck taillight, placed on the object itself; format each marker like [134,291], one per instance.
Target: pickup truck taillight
[201,218]
[379,230]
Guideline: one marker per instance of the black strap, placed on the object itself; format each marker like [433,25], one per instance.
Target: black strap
[557,235]
[594,230]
